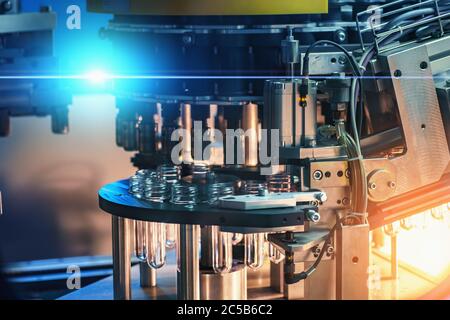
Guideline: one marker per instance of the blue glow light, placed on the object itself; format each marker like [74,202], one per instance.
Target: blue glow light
[97,77]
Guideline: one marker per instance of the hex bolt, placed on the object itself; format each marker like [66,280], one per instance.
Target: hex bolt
[398,74]
[330,250]
[317,175]
[262,192]
[313,216]
[341,36]
[345,201]
[347,173]
[342,60]
[316,251]
[322,197]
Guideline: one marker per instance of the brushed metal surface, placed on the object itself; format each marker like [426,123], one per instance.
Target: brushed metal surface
[427,155]
[227,286]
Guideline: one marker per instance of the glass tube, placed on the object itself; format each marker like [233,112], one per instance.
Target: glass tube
[172,174]
[156,189]
[254,243]
[216,190]
[137,182]
[171,235]
[156,245]
[438,213]
[140,243]
[275,255]
[222,246]
[254,250]
[200,171]
[278,183]
[253,187]
[186,195]
[237,238]
[137,189]
[136,186]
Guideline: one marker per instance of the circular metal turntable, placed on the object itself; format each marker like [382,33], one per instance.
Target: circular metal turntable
[115,199]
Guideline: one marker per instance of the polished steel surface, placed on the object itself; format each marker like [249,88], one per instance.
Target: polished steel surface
[427,155]
[227,286]
[188,277]
[121,249]
[250,122]
[147,275]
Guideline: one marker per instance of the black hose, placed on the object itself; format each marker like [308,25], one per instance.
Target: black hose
[292,278]
[406,16]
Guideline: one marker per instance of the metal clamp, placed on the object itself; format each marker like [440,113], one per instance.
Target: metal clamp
[271,200]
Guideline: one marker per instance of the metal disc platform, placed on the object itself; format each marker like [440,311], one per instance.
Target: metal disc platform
[115,199]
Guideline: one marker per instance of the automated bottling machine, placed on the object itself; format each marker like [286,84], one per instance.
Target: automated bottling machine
[316,121]
[358,100]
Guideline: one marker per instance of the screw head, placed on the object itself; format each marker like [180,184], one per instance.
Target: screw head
[313,216]
[347,173]
[341,36]
[397,73]
[316,251]
[317,175]
[346,201]
[372,186]
[342,60]
[187,39]
[392,184]
[330,250]
[6,6]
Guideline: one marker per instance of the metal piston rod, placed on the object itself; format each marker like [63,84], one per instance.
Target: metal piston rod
[121,252]
[188,276]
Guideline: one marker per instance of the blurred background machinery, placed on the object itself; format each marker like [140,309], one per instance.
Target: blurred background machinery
[349,97]
[26,50]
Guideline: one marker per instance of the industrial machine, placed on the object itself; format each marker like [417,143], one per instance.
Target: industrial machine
[273,136]
[353,106]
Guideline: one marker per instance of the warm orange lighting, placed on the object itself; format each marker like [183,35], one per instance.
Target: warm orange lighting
[423,242]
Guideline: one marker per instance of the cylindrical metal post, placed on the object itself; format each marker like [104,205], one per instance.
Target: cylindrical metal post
[188,280]
[250,122]
[186,121]
[121,252]
[147,275]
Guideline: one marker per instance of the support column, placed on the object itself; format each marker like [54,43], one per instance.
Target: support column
[147,275]
[188,277]
[121,253]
